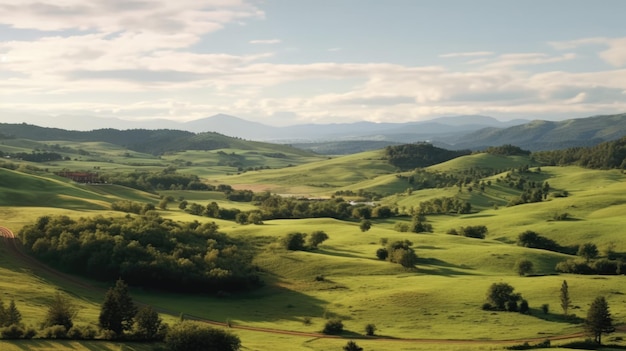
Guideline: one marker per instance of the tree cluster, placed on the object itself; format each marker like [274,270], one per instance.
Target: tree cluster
[147,251]
[297,241]
[607,155]
[472,231]
[445,205]
[501,297]
[409,156]
[400,252]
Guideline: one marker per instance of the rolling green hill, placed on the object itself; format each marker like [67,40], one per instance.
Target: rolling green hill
[440,298]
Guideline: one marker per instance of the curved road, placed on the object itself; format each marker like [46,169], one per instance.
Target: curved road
[14,248]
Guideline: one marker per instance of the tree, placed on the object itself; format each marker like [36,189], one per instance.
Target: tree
[333,327]
[566,302]
[148,324]
[370,329]
[405,257]
[523,267]
[352,346]
[588,251]
[499,295]
[118,310]
[599,319]
[316,238]
[14,315]
[193,336]
[365,225]
[61,311]
[382,253]
[293,241]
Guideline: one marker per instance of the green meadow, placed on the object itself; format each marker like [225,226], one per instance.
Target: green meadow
[434,306]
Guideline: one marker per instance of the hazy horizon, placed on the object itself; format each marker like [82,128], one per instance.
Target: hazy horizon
[284,63]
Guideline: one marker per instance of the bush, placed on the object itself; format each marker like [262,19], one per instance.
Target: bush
[14,331]
[333,327]
[545,308]
[293,241]
[474,231]
[193,336]
[82,333]
[54,332]
[370,329]
[382,253]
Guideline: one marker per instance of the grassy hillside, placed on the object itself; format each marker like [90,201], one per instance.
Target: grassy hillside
[439,299]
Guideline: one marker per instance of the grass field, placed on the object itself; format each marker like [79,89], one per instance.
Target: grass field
[439,299]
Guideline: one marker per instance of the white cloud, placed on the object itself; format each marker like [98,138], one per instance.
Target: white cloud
[467,54]
[615,55]
[265,41]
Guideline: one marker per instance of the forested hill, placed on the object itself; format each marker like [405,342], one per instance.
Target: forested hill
[611,154]
[409,156]
[154,142]
[547,135]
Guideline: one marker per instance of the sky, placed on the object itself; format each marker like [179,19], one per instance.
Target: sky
[285,62]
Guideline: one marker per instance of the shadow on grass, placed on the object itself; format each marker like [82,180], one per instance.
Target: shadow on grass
[557,318]
[340,253]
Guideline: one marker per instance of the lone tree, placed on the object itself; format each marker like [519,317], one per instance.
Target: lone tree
[566,302]
[599,319]
[118,310]
[523,267]
[588,251]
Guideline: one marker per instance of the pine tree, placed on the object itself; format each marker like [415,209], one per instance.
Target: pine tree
[566,302]
[599,319]
[118,310]
[3,315]
[13,315]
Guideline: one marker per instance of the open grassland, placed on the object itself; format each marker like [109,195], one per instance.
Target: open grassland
[440,299]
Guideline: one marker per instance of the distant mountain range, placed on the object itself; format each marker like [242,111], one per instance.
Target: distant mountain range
[459,132]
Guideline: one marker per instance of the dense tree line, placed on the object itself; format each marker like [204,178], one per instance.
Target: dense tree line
[152,181]
[40,156]
[409,156]
[444,205]
[607,155]
[147,251]
[507,150]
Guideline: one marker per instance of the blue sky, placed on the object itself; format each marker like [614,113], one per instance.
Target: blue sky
[284,62]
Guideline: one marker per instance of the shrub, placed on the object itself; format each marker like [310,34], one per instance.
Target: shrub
[475,231]
[352,346]
[382,253]
[545,308]
[14,331]
[333,327]
[401,227]
[293,241]
[193,336]
[82,333]
[523,307]
[54,332]
[370,329]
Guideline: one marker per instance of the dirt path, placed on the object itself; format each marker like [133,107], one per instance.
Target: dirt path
[15,249]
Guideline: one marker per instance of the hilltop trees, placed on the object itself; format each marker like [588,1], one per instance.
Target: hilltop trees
[599,319]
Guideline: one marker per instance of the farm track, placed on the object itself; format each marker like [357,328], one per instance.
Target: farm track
[15,249]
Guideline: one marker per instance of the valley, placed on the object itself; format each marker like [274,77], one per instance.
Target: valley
[434,303]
